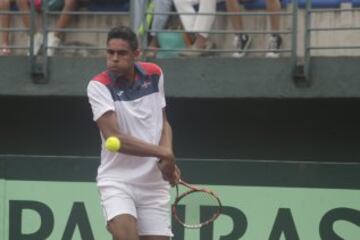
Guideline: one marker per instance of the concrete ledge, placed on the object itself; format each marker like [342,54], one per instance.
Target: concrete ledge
[331,77]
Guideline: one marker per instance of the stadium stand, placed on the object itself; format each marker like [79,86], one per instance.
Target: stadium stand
[321,3]
[87,22]
[356,3]
[331,33]
[261,4]
[108,5]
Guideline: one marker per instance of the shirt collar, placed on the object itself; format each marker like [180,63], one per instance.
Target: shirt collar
[138,70]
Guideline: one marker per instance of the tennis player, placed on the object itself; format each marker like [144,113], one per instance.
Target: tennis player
[128,101]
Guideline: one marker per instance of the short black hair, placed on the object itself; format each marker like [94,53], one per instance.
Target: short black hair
[124,33]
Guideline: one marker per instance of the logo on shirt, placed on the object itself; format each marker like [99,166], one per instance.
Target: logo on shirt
[146,84]
[119,93]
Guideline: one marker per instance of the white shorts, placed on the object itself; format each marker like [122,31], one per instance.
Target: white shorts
[149,205]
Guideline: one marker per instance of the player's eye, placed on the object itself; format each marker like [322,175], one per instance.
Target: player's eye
[113,52]
[110,52]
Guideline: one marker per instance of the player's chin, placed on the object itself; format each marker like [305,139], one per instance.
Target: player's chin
[114,69]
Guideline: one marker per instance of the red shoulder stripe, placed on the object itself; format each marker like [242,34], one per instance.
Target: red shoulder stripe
[150,68]
[102,78]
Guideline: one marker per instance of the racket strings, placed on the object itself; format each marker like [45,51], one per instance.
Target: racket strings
[197,207]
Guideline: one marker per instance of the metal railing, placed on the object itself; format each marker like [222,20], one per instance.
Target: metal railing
[46,14]
[309,30]
[15,29]
[292,32]
[39,64]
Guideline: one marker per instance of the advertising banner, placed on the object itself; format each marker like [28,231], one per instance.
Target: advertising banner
[55,198]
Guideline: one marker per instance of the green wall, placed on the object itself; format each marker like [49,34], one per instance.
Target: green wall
[263,129]
[53,197]
[331,77]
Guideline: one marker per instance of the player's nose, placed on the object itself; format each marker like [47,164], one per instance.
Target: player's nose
[115,57]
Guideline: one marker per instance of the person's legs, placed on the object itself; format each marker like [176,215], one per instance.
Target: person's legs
[275,40]
[274,6]
[119,209]
[204,22]
[5,23]
[241,41]
[202,25]
[159,22]
[186,6]
[138,16]
[153,209]
[62,22]
[23,6]
[232,6]
[64,19]
[200,41]
[123,227]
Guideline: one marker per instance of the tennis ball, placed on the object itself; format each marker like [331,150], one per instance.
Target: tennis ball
[113,144]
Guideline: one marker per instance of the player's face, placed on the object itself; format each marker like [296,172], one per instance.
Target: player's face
[120,58]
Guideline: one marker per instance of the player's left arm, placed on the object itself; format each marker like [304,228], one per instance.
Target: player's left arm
[166,134]
[169,169]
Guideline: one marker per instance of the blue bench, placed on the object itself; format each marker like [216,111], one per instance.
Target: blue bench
[261,4]
[108,5]
[13,6]
[321,3]
[355,3]
[220,7]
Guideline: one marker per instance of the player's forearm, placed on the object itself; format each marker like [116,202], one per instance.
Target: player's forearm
[166,136]
[137,147]
[129,144]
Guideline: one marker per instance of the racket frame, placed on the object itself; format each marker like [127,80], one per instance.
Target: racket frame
[193,189]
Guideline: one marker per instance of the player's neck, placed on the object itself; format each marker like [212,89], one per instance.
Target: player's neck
[126,78]
[131,76]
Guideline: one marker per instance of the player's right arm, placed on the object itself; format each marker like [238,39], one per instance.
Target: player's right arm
[108,126]
[103,109]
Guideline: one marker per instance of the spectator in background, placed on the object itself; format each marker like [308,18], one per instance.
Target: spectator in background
[157,20]
[53,38]
[5,23]
[201,24]
[243,41]
[154,20]
[171,43]
[140,6]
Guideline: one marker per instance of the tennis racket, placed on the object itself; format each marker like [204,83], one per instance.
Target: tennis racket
[195,207]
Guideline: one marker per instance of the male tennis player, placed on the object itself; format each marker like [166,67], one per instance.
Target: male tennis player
[128,101]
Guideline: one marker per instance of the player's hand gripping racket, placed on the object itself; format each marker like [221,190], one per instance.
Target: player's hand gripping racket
[202,205]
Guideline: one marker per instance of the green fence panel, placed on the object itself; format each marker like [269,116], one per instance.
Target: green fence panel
[53,197]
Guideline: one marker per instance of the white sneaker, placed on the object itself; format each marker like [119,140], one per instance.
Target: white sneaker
[38,41]
[242,43]
[52,42]
[275,42]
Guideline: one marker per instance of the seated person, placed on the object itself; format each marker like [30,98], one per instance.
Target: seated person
[243,41]
[5,23]
[172,42]
[53,38]
[199,23]
[154,20]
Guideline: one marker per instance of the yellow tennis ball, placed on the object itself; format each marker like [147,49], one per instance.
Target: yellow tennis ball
[113,144]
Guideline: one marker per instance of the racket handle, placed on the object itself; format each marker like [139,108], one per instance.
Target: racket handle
[182,182]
